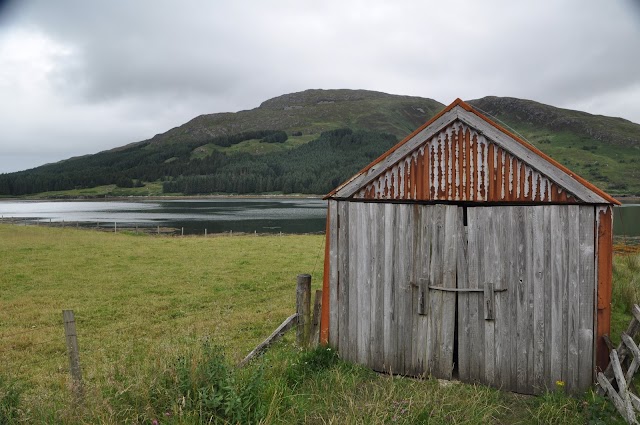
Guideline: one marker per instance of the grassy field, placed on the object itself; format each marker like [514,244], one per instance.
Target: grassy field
[161,321]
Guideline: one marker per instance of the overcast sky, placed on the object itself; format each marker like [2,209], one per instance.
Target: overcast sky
[78,77]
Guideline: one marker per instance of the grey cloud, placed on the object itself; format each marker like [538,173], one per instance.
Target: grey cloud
[145,66]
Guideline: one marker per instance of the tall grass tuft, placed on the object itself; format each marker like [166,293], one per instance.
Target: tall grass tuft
[10,398]
[626,281]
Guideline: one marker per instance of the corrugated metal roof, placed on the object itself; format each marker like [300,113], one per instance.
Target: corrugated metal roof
[461,155]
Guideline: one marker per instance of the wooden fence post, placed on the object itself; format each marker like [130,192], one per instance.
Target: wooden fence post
[315,321]
[303,307]
[73,350]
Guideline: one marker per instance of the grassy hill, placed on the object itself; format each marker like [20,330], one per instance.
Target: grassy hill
[311,112]
[243,152]
[604,150]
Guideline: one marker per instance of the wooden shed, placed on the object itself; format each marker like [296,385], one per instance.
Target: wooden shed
[465,252]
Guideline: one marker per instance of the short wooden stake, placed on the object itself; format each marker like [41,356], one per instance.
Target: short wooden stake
[158,230]
[182,233]
[74,351]
[303,306]
[205,233]
[315,321]
[115,227]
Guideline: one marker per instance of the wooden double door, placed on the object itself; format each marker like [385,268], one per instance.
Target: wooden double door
[497,295]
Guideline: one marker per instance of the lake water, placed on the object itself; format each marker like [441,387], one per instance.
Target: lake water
[261,215]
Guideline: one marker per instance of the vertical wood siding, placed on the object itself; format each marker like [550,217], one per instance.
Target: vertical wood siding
[461,164]
[540,260]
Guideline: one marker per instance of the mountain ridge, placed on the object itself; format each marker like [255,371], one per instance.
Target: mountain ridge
[250,151]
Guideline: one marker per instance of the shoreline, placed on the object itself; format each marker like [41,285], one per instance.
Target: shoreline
[159,197]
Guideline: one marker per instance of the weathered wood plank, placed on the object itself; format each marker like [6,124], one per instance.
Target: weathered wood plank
[557,277]
[354,283]
[538,283]
[435,278]
[504,336]
[622,386]
[424,261]
[548,289]
[402,299]
[364,267]
[486,267]
[573,298]
[333,274]
[376,215]
[476,315]
[464,352]
[343,279]
[446,307]
[633,348]
[615,398]
[390,331]
[512,279]
[449,299]
[410,291]
[586,290]
[288,323]
[523,318]
[564,290]
[529,280]
[622,350]
[415,290]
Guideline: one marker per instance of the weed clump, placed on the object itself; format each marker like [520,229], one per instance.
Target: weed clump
[207,389]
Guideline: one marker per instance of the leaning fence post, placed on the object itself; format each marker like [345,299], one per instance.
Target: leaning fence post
[73,350]
[303,307]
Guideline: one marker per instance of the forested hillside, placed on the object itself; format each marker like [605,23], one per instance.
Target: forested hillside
[309,142]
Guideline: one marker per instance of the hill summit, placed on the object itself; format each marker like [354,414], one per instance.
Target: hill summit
[310,141]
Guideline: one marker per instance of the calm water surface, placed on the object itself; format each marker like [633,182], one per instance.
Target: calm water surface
[262,215]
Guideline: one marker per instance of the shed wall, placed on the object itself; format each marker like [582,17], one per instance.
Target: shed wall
[388,263]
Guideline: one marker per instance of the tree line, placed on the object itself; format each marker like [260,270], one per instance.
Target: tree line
[315,167]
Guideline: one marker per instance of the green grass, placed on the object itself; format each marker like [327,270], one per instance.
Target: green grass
[155,315]
[149,189]
[254,146]
[612,167]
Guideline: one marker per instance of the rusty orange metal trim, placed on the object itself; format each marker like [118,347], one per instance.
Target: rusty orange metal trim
[324,313]
[605,271]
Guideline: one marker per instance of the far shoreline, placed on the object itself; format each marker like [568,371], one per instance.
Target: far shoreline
[158,197]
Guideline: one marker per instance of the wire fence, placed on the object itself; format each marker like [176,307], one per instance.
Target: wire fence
[63,345]
[147,229]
